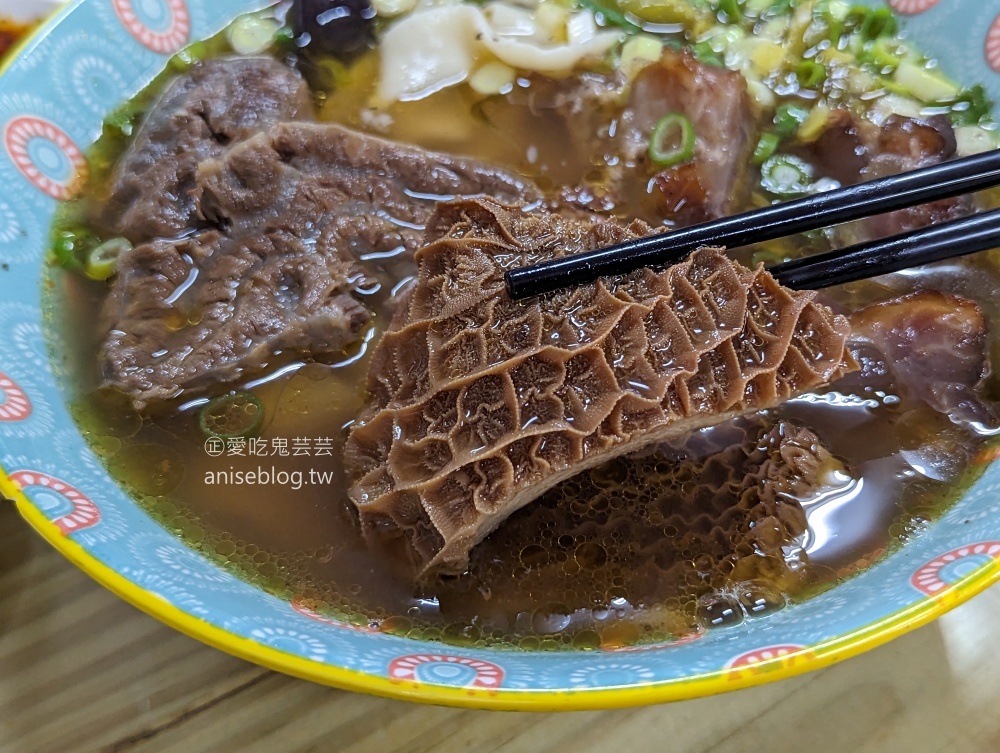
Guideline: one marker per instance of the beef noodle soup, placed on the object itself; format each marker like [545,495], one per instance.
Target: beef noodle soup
[289,339]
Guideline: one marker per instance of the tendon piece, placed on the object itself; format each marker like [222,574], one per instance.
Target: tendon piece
[937,345]
[480,404]
[674,521]
[906,144]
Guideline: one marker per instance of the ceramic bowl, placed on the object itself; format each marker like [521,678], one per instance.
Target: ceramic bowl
[94,55]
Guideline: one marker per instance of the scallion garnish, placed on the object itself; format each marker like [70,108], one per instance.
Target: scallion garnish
[734,14]
[788,118]
[673,140]
[785,175]
[970,107]
[70,246]
[877,22]
[102,261]
[766,148]
[810,74]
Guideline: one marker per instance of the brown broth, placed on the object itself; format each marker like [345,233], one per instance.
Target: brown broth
[302,543]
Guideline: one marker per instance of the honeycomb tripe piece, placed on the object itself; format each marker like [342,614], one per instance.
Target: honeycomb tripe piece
[479,404]
[676,520]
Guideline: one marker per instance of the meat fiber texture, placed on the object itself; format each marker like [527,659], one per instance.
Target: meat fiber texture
[276,227]
[218,103]
[937,346]
[479,404]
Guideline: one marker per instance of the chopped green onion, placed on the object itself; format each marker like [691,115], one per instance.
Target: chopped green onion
[122,121]
[970,107]
[788,118]
[881,55]
[252,34]
[189,56]
[766,148]
[785,176]
[810,74]
[611,15]
[878,22]
[71,247]
[673,140]
[102,261]
[705,53]
[831,17]
[779,7]
[284,36]
[732,9]
[232,416]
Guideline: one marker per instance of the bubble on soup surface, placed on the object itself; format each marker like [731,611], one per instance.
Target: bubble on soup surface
[719,610]
[107,412]
[151,469]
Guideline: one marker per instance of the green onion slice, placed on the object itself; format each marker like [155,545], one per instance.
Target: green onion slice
[252,34]
[766,148]
[102,261]
[788,118]
[673,140]
[239,414]
[784,175]
[69,247]
[877,22]
[734,14]
[810,74]
[705,53]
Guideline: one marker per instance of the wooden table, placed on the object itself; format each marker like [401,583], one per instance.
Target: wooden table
[82,671]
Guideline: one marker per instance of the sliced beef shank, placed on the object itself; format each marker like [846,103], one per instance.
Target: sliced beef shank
[479,404]
[217,103]
[299,204]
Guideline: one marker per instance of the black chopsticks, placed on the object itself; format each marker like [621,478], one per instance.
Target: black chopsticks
[950,240]
[943,181]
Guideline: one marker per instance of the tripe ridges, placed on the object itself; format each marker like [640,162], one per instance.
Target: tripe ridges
[479,403]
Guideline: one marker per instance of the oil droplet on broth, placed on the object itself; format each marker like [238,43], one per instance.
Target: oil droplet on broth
[150,469]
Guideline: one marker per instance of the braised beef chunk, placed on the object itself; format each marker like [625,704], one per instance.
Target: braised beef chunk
[907,144]
[716,102]
[479,403]
[613,118]
[217,103]
[843,150]
[299,206]
[852,150]
[937,347]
